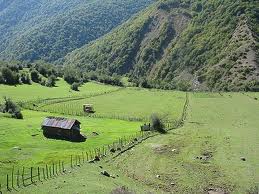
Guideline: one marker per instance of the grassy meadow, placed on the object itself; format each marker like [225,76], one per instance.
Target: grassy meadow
[36,91]
[23,144]
[204,154]
[126,103]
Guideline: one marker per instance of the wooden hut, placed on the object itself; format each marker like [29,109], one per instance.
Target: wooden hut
[88,108]
[62,128]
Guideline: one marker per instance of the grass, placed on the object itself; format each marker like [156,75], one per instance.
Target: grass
[62,89]
[88,179]
[37,150]
[221,130]
[127,103]
[204,154]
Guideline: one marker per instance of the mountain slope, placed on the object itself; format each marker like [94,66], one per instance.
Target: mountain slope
[48,30]
[181,44]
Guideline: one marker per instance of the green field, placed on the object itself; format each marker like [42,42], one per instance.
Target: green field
[205,154]
[62,89]
[221,129]
[125,104]
[36,150]
[22,142]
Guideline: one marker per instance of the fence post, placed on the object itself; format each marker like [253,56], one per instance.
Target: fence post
[43,172]
[71,161]
[31,175]
[86,156]
[63,169]
[83,157]
[47,173]
[50,171]
[56,169]
[59,166]
[53,169]
[39,173]
[7,182]
[12,177]
[18,178]
[1,189]
[23,176]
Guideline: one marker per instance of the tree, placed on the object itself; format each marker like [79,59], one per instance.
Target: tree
[25,78]
[51,81]
[9,76]
[71,75]
[35,77]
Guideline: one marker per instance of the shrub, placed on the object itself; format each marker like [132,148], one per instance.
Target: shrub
[51,82]
[43,81]
[25,78]
[35,76]
[9,76]
[11,107]
[157,124]
[75,86]
[17,115]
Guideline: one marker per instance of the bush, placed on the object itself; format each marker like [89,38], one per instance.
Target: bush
[51,82]
[157,124]
[43,81]
[25,78]
[9,76]
[17,115]
[35,76]
[75,86]
[11,107]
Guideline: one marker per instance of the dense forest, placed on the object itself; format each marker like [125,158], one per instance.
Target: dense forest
[41,29]
[182,44]
[168,44]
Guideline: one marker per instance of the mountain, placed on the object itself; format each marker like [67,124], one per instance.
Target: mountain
[182,44]
[48,30]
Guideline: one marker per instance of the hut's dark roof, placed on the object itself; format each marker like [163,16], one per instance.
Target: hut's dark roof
[57,122]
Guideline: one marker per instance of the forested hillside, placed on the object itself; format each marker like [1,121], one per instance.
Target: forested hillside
[48,30]
[182,44]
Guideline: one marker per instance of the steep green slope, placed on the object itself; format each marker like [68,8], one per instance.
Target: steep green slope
[42,29]
[184,44]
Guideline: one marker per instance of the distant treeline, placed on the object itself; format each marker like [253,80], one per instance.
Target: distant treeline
[46,74]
